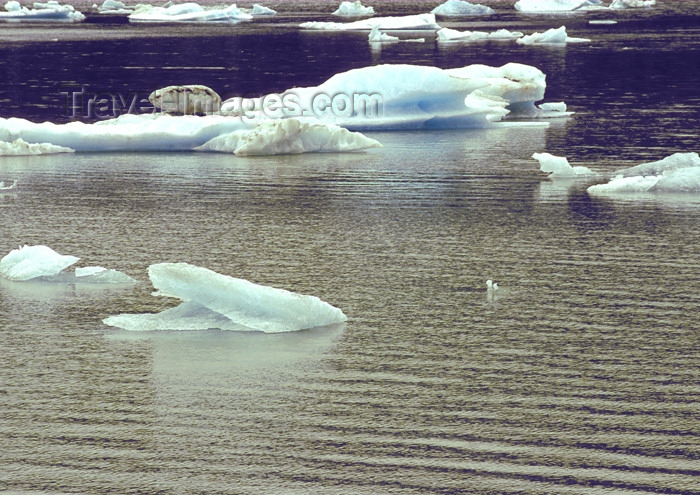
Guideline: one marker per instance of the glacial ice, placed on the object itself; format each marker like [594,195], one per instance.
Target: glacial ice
[461,7]
[548,6]
[678,173]
[376,36]
[162,132]
[558,167]
[260,10]
[212,300]
[189,12]
[418,97]
[353,9]
[48,11]
[447,35]
[289,136]
[408,22]
[43,263]
[21,147]
[632,4]
[551,36]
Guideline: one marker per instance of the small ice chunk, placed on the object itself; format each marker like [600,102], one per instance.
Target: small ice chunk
[632,4]
[558,166]
[554,36]
[259,10]
[539,6]
[376,36]
[19,147]
[407,22]
[452,35]
[461,7]
[29,262]
[353,9]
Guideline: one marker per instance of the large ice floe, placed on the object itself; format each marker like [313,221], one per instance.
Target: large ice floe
[23,148]
[632,4]
[447,35]
[547,6]
[554,36]
[189,12]
[162,132]
[353,9]
[558,167]
[461,7]
[48,11]
[409,23]
[215,301]
[394,97]
[678,173]
[43,263]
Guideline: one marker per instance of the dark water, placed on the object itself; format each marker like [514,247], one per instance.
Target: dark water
[581,376]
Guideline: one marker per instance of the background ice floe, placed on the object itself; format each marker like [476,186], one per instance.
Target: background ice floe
[452,35]
[353,9]
[461,7]
[41,11]
[211,300]
[408,22]
[547,6]
[551,36]
[43,263]
[189,12]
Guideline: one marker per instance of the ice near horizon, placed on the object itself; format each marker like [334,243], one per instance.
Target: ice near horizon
[461,7]
[447,35]
[261,10]
[678,173]
[41,11]
[353,9]
[554,36]
[558,167]
[189,12]
[43,263]
[419,97]
[163,132]
[19,147]
[549,6]
[212,300]
[416,22]
[632,4]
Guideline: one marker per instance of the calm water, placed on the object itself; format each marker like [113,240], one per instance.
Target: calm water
[580,378]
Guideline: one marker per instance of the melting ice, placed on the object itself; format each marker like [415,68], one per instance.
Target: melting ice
[49,11]
[461,7]
[21,147]
[212,300]
[189,12]
[547,6]
[353,9]
[408,22]
[551,36]
[558,166]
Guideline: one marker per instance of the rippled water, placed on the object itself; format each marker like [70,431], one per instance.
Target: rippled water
[579,377]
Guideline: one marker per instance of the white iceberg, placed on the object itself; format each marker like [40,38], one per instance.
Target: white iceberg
[447,35]
[21,147]
[162,132]
[558,167]
[632,4]
[408,22]
[189,12]
[353,9]
[679,172]
[289,136]
[461,7]
[48,11]
[376,36]
[43,263]
[553,36]
[392,97]
[212,300]
[260,10]
[547,6]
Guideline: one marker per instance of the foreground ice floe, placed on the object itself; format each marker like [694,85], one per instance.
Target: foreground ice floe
[558,167]
[551,36]
[394,97]
[353,9]
[679,172]
[461,7]
[162,132]
[546,6]
[409,22]
[189,12]
[21,147]
[212,300]
[289,136]
[446,35]
[48,11]
[43,263]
